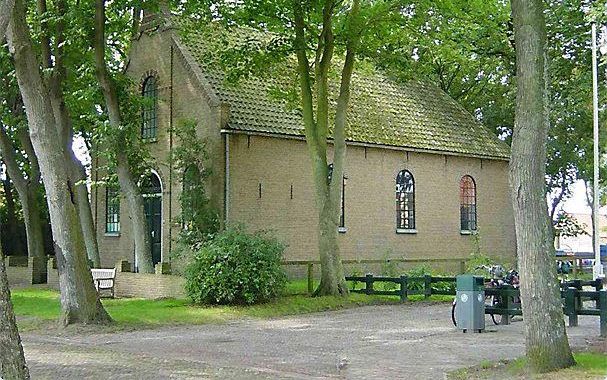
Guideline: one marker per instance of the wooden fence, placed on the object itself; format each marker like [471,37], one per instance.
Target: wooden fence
[459,265]
[573,295]
[407,286]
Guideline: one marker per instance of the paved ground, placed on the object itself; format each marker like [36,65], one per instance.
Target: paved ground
[381,342]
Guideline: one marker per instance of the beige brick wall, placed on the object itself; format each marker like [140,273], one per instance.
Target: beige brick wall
[279,163]
[184,100]
[136,285]
[150,286]
[25,271]
[370,200]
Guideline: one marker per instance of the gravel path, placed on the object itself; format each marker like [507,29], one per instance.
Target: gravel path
[380,342]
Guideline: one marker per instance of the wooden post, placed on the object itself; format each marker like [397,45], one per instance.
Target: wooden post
[403,288]
[575,269]
[602,306]
[462,267]
[310,278]
[507,305]
[427,286]
[570,306]
[368,284]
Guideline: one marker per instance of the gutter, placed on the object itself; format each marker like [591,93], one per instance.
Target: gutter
[226,195]
[364,144]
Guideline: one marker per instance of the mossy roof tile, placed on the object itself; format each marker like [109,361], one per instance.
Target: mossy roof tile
[416,115]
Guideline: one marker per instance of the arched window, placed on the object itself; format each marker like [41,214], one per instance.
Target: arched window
[150,185]
[405,201]
[112,210]
[467,196]
[190,197]
[150,106]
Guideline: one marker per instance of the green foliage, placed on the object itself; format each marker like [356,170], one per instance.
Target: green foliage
[389,268]
[567,226]
[126,138]
[236,267]
[418,271]
[199,219]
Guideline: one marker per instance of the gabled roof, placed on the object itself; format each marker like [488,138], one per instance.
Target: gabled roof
[416,115]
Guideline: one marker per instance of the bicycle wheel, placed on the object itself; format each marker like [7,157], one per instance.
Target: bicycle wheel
[453,313]
[496,302]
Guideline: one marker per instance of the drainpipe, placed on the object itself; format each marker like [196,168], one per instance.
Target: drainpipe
[226,197]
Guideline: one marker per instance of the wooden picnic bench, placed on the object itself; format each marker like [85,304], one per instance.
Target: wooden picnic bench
[104,280]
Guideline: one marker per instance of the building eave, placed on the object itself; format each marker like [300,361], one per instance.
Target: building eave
[366,144]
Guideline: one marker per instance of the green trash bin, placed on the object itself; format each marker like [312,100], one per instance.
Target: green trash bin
[470,307]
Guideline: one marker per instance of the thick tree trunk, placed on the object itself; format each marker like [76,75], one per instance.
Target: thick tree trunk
[79,300]
[328,191]
[12,359]
[65,131]
[77,174]
[128,183]
[332,277]
[546,341]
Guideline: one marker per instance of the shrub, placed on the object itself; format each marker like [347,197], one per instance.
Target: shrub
[236,267]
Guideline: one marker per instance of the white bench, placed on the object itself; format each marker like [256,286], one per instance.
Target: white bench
[104,280]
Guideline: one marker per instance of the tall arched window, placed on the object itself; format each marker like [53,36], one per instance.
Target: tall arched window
[405,201]
[112,210]
[150,106]
[467,196]
[190,197]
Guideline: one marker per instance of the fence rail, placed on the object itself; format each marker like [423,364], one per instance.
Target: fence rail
[573,295]
[459,262]
[407,286]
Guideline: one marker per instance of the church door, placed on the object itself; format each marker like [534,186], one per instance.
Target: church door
[152,196]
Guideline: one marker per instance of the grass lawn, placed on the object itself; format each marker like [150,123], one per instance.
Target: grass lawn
[589,366]
[39,308]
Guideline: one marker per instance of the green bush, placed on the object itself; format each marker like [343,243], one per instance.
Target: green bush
[236,267]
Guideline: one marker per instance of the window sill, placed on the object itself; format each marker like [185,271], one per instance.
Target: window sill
[150,140]
[467,232]
[112,234]
[406,231]
[342,230]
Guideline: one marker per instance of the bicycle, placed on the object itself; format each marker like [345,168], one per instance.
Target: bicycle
[496,280]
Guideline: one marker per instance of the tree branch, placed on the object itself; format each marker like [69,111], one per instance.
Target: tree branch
[6,10]
[45,41]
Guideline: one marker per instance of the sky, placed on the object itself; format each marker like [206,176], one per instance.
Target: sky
[577,203]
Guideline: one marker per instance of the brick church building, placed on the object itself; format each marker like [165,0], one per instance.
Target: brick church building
[422,176]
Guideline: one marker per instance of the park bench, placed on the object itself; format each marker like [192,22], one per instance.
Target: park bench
[104,280]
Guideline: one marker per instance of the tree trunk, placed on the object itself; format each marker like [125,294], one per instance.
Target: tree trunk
[134,202]
[12,359]
[33,223]
[328,190]
[65,130]
[126,179]
[79,300]
[6,7]
[13,225]
[85,215]
[546,341]
[77,174]
[27,194]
